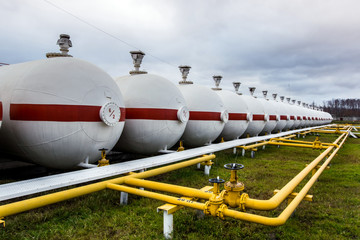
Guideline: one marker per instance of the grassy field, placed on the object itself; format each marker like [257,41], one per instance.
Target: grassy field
[333,214]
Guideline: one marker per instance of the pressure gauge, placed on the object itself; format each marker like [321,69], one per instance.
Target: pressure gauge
[110,113]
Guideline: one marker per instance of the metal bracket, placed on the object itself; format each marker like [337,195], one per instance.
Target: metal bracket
[316,168]
[2,221]
[207,163]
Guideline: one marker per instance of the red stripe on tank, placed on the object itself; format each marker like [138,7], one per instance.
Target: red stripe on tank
[151,113]
[258,117]
[304,118]
[292,117]
[283,117]
[272,117]
[298,118]
[237,116]
[123,114]
[205,116]
[57,113]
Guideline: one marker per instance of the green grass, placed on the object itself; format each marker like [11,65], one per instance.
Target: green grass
[333,214]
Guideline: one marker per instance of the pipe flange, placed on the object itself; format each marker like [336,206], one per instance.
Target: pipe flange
[110,113]
[242,200]
[220,211]
[207,208]
[224,116]
[183,114]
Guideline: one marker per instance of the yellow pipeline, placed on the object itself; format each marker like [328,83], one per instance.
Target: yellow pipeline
[295,145]
[275,201]
[158,196]
[289,136]
[185,191]
[253,145]
[298,141]
[25,205]
[281,219]
[287,140]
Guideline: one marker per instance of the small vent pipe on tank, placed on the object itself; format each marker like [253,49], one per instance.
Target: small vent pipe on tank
[274,96]
[65,43]
[184,69]
[265,92]
[237,86]
[217,80]
[137,57]
[252,90]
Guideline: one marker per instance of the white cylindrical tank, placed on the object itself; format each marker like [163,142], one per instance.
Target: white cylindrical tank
[328,118]
[208,114]
[317,117]
[58,112]
[311,116]
[156,112]
[271,115]
[306,116]
[238,112]
[291,113]
[286,114]
[257,115]
[296,113]
[301,114]
[281,120]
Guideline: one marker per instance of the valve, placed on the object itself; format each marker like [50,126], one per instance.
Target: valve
[103,161]
[216,181]
[181,147]
[317,144]
[216,199]
[233,187]
[233,167]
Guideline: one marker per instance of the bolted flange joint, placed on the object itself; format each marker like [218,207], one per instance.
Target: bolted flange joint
[220,211]
[242,200]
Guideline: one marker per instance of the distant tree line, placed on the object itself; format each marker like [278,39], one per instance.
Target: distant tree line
[340,108]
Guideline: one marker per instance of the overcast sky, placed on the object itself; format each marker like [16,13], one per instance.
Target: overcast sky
[308,50]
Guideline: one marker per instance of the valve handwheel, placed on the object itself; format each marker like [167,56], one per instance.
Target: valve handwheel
[233,166]
[216,180]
